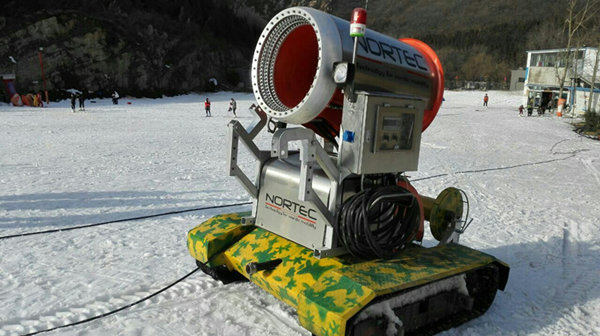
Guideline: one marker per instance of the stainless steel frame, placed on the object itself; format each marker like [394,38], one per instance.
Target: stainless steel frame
[236,132]
[297,194]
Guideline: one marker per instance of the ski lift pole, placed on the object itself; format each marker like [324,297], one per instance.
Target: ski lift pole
[43,76]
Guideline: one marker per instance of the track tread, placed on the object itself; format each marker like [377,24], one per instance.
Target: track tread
[482,284]
[221,273]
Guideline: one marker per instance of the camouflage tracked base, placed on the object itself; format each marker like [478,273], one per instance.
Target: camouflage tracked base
[327,293]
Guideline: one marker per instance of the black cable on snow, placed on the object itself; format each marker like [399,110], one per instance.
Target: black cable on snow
[430,177]
[121,220]
[116,310]
[493,169]
[556,144]
[572,154]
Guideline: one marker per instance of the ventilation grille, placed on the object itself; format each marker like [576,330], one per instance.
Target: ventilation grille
[268,57]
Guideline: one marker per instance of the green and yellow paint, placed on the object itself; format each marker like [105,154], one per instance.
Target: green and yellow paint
[326,292]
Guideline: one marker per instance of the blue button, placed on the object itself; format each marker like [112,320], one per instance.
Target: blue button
[348,136]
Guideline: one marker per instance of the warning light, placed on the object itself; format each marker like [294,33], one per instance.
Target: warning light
[358,22]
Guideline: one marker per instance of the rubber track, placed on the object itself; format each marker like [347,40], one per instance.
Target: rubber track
[488,277]
[486,297]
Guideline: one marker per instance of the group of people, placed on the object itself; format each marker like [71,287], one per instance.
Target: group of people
[81,98]
[37,100]
[232,107]
[541,109]
[115,99]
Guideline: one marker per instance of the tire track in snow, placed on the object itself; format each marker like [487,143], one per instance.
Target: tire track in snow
[100,306]
[565,307]
[562,302]
[547,306]
[581,282]
[269,314]
[588,163]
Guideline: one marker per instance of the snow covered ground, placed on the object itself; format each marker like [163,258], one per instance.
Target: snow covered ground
[534,187]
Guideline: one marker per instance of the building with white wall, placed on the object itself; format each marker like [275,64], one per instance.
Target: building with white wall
[517,80]
[543,72]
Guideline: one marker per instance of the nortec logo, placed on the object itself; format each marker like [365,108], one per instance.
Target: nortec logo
[291,206]
[397,55]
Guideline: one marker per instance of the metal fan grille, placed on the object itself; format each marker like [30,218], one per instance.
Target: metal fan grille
[268,56]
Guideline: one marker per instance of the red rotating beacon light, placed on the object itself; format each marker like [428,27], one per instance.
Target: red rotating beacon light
[358,22]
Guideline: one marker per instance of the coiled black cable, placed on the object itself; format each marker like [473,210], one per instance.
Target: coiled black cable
[379,221]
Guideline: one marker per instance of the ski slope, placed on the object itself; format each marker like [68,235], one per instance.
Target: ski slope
[533,184]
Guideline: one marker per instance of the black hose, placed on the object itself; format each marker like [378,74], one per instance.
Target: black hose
[483,170]
[379,222]
[24,234]
[116,310]
[494,169]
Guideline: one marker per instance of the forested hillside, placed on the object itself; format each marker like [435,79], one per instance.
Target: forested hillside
[479,39]
[150,48]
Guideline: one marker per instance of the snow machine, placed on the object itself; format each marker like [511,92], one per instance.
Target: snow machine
[336,226]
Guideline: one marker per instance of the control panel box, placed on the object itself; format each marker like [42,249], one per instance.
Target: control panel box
[381,133]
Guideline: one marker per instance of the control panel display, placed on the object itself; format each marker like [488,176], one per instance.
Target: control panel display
[394,129]
[382,133]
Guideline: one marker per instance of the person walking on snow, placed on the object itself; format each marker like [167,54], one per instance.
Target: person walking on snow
[207,107]
[485,100]
[36,100]
[233,107]
[82,101]
[73,102]
[40,101]
[115,97]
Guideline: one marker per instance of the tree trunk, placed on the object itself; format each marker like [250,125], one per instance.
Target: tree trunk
[570,32]
[576,18]
[591,96]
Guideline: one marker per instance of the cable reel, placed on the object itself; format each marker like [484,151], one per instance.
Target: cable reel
[380,221]
[448,214]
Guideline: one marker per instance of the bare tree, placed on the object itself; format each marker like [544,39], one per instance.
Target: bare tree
[578,14]
[593,81]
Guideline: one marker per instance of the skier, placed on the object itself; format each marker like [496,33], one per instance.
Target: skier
[73,102]
[36,100]
[115,97]
[40,101]
[485,100]
[207,107]
[82,101]
[521,110]
[233,106]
